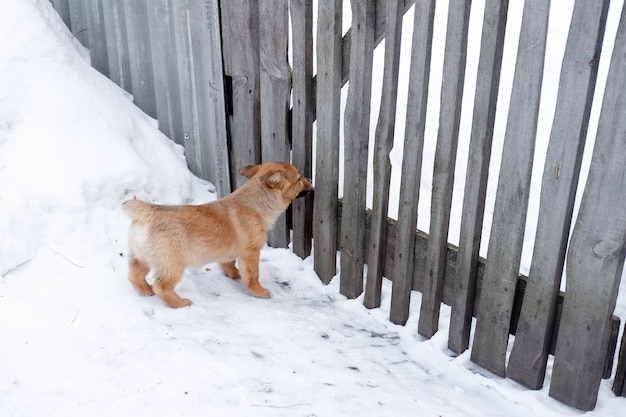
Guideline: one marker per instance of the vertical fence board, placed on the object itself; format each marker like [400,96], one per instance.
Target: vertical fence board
[356,134]
[240,34]
[302,120]
[117,45]
[487,83]
[527,363]
[445,159]
[328,102]
[275,77]
[412,161]
[595,257]
[97,36]
[509,219]
[140,55]
[78,21]
[382,147]
[196,29]
[619,383]
[167,91]
[63,9]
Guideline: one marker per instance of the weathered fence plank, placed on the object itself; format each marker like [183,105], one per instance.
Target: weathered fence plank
[486,97]
[356,134]
[509,218]
[97,36]
[167,91]
[528,359]
[382,147]
[595,257]
[302,120]
[117,44]
[445,159]
[240,34]
[412,161]
[275,77]
[78,21]
[199,57]
[619,383]
[140,55]
[62,7]
[328,102]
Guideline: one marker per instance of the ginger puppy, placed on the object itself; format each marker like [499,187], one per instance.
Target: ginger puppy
[167,239]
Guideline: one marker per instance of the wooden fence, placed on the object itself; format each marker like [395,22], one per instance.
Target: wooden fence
[217,77]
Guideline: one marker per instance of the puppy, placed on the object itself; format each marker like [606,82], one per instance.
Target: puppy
[167,239]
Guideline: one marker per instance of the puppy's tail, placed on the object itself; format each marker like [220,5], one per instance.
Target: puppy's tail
[137,210]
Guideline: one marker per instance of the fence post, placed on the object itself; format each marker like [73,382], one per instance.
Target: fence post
[167,91]
[486,97]
[97,36]
[377,250]
[199,56]
[328,101]
[511,206]
[356,134]
[595,257]
[275,77]
[140,55]
[117,45]
[527,363]
[302,119]
[78,21]
[445,159]
[63,9]
[240,35]
[412,160]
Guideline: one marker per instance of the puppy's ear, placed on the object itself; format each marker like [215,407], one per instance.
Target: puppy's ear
[249,171]
[274,179]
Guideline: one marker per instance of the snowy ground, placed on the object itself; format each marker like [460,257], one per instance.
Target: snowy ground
[75,340]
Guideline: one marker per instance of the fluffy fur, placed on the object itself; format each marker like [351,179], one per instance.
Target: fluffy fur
[167,239]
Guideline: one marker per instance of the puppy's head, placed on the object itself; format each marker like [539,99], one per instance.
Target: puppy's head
[279,177]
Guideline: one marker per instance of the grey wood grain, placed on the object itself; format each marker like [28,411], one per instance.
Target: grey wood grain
[240,34]
[328,102]
[196,29]
[97,36]
[356,141]
[383,144]
[528,359]
[167,91]
[275,87]
[485,100]
[62,7]
[509,219]
[117,44]
[445,159]
[412,160]
[595,257]
[302,120]
[140,55]
[78,21]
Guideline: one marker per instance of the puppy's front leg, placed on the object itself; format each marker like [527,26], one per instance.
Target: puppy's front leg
[249,266]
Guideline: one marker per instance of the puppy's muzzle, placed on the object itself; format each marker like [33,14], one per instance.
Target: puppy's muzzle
[307,190]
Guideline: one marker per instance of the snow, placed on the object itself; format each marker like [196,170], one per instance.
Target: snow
[77,341]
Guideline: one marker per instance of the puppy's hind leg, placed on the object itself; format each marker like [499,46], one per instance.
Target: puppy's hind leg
[164,284]
[230,270]
[137,272]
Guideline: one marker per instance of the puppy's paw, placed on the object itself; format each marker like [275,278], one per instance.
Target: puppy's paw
[260,292]
[145,291]
[184,302]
